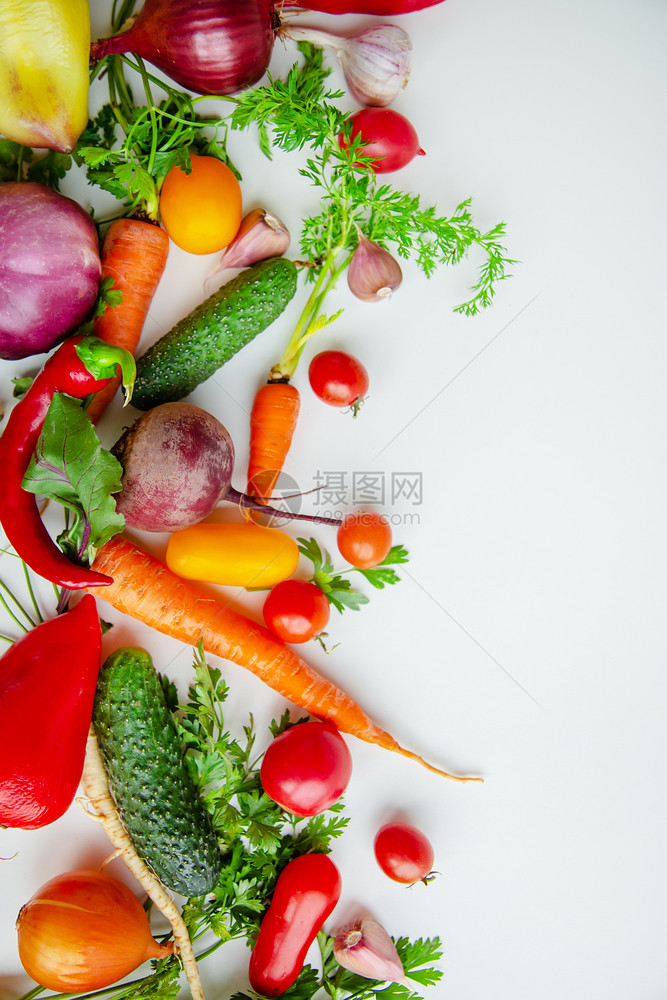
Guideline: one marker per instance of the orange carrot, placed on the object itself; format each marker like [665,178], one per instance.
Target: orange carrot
[147,590]
[134,255]
[272,422]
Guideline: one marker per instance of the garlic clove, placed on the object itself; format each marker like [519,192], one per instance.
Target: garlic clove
[260,236]
[364,948]
[376,64]
[373,274]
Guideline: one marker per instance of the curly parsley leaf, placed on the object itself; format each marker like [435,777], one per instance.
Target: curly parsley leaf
[71,466]
[108,296]
[18,162]
[337,587]
[130,146]
[257,836]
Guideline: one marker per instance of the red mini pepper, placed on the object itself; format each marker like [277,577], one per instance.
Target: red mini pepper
[306,892]
[47,688]
[82,365]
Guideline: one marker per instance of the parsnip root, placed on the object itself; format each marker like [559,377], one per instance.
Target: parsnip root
[95,785]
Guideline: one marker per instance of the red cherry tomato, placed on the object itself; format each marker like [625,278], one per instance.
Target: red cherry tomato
[403,852]
[307,768]
[296,610]
[390,140]
[338,379]
[364,538]
[306,892]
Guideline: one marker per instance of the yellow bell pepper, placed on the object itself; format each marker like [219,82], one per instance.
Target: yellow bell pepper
[44,52]
[234,555]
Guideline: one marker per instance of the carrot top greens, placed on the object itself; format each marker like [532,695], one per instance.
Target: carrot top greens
[299,113]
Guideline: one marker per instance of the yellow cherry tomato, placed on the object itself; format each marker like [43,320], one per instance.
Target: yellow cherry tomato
[201,211]
[235,555]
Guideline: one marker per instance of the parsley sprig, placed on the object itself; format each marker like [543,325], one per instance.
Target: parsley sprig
[21,163]
[299,113]
[128,148]
[337,588]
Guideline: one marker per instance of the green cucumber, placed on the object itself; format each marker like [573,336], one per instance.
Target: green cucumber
[221,325]
[156,797]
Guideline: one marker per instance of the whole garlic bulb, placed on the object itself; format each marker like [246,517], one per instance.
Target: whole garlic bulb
[376,62]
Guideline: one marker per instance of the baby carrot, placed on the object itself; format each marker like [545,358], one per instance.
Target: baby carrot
[134,255]
[272,423]
[147,590]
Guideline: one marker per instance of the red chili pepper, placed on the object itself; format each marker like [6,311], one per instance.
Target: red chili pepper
[65,371]
[306,892]
[47,687]
[383,8]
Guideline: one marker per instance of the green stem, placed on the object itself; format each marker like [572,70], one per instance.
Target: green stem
[309,321]
[33,993]
[151,110]
[20,624]
[31,592]
[118,17]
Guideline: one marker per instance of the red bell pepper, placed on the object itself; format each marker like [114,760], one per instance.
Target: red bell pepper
[47,688]
[82,365]
[306,892]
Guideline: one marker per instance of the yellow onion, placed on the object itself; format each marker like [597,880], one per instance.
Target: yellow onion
[44,72]
[83,931]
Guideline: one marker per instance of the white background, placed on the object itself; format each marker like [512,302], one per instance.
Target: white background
[527,640]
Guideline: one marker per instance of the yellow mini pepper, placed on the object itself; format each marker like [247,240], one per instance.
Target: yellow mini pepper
[234,555]
[44,51]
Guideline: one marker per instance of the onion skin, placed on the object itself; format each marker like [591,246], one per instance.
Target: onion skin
[382,8]
[83,931]
[50,268]
[207,46]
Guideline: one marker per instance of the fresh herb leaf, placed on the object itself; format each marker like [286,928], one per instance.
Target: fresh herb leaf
[258,837]
[71,466]
[383,575]
[21,163]
[128,148]
[108,296]
[336,587]
[162,984]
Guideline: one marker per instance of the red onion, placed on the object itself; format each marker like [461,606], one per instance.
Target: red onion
[49,268]
[207,46]
[390,141]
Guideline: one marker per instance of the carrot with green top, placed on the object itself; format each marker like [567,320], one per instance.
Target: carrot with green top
[358,226]
[148,591]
